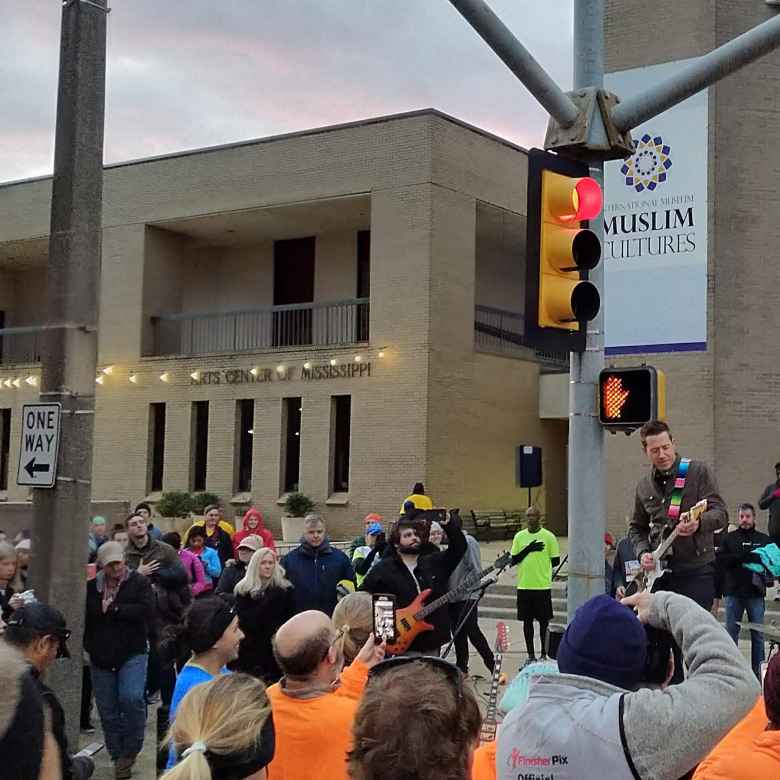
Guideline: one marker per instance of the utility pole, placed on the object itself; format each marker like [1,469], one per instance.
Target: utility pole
[69,344]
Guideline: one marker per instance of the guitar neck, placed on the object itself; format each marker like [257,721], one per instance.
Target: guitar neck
[454,594]
[489,722]
[666,544]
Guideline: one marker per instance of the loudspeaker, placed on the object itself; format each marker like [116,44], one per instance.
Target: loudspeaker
[528,461]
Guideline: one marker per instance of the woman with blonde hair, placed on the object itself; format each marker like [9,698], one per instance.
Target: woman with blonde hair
[264,601]
[353,615]
[223,731]
[9,581]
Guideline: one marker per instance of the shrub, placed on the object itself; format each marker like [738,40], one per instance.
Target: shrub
[175,503]
[201,500]
[298,505]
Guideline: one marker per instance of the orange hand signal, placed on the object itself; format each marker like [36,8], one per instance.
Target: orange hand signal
[615,397]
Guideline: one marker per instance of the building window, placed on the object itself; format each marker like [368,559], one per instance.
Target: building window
[341,413]
[200,444]
[293,284]
[156,456]
[5,446]
[245,420]
[363,281]
[291,444]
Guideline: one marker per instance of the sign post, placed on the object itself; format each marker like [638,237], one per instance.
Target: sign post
[41,424]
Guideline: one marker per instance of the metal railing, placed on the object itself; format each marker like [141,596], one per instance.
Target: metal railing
[502,331]
[332,323]
[20,345]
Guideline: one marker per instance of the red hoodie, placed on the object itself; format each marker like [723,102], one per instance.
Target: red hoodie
[261,531]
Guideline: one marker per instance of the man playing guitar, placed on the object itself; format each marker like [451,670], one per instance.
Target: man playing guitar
[663,500]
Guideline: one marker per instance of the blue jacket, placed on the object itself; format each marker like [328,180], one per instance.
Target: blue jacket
[315,572]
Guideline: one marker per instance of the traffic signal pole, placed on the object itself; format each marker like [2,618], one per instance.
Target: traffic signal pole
[599,132]
[69,350]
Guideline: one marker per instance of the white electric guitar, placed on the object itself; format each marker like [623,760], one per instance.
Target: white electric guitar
[645,580]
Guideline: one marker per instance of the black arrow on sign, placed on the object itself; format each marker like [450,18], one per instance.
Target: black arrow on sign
[33,468]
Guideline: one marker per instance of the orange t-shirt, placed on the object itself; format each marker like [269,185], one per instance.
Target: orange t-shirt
[314,735]
[484,766]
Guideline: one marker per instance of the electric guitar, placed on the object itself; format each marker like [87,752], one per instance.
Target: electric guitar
[646,579]
[489,724]
[410,621]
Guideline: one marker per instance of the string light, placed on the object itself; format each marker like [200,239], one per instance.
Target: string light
[381,354]
[333,361]
[133,378]
[99,379]
[17,383]
[307,365]
[165,377]
[8,383]
[280,369]
[254,371]
[32,381]
[108,370]
[358,358]
[195,375]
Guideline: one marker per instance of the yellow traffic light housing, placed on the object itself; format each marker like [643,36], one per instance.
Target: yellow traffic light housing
[561,251]
[630,396]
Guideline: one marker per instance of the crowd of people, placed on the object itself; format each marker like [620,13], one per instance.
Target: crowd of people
[268,665]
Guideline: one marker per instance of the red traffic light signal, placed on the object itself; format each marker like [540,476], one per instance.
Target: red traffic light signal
[631,396]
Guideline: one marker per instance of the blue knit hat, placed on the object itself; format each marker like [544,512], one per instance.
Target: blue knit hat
[605,641]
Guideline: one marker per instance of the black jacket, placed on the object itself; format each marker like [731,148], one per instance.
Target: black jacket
[5,597]
[734,550]
[768,501]
[650,525]
[259,619]
[123,631]
[73,768]
[433,570]
[230,577]
[221,542]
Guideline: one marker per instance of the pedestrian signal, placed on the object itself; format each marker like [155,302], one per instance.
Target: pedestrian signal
[560,300]
[631,396]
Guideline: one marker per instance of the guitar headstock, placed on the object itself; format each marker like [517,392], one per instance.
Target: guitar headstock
[502,637]
[503,560]
[698,509]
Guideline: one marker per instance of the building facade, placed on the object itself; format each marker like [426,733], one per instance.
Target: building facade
[337,311]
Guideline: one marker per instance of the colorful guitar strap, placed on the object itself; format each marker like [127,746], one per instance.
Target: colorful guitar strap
[679,485]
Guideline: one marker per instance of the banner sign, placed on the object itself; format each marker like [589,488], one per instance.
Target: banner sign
[655,226]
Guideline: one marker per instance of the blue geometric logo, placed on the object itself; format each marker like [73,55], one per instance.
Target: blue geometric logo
[649,165]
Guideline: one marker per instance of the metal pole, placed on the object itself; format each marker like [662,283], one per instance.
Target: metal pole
[519,60]
[708,69]
[586,438]
[69,353]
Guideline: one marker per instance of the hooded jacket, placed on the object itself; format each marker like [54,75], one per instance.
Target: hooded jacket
[261,531]
[583,728]
[433,570]
[315,572]
[650,523]
[230,577]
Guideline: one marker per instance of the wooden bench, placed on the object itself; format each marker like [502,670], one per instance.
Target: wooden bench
[496,523]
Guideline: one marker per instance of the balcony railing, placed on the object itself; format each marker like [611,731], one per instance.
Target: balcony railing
[20,345]
[501,331]
[264,328]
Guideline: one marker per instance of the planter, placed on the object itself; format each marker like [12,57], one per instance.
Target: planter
[292,528]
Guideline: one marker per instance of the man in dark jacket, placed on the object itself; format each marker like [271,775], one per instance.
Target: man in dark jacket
[770,499]
[315,568]
[744,589]
[412,564]
[120,606]
[40,633]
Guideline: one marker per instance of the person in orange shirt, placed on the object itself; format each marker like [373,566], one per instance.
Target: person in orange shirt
[484,762]
[315,702]
[751,750]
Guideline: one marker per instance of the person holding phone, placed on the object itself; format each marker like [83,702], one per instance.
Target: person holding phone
[40,633]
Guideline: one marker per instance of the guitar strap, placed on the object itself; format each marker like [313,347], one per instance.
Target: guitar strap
[679,485]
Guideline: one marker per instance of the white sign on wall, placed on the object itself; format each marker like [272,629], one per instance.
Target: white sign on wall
[40,445]
[655,226]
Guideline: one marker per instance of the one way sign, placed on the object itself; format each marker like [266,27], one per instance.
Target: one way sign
[40,445]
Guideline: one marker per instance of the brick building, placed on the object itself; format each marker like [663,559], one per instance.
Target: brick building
[337,311]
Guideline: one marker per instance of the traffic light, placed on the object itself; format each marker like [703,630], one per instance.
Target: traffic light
[631,396]
[561,250]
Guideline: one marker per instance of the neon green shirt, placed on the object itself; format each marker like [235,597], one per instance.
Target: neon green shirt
[535,571]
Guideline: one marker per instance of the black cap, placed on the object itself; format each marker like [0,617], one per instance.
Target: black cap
[44,621]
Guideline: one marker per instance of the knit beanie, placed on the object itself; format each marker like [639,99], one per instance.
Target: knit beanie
[772,690]
[606,641]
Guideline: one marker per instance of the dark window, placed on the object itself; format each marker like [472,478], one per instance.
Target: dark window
[245,419]
[291,444]
[293,283]
[363,281]
[200,443]
[341,420]
[156,457]
[5,446]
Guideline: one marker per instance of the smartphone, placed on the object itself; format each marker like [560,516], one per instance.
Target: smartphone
[90,750]
[383,611]
[437,515]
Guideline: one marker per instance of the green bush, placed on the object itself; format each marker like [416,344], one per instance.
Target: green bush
[175,503]
[298,505]
[201,500]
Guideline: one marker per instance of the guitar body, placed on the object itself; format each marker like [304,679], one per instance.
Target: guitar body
[407,626]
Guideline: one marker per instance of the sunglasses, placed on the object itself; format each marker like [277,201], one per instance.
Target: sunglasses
[453,674]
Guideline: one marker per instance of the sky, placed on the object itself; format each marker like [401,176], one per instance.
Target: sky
[185,74]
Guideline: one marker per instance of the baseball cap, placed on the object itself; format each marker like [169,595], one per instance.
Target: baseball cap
[98,520]
[251,542]
[43,620]
[25,544]
[110,552]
